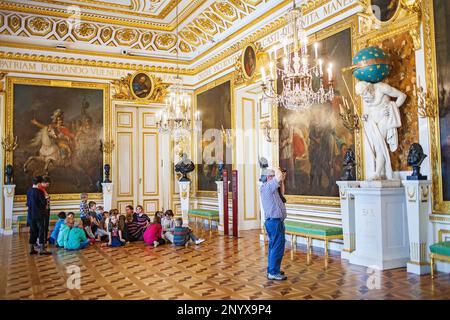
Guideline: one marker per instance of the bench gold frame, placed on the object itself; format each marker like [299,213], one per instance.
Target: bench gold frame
[309,238]
[439,257]
[210,219]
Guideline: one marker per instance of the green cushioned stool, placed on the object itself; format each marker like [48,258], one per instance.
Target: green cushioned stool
[311,231]
[210,215]
[439,251]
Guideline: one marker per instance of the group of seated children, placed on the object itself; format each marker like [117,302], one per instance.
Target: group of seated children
[114,229]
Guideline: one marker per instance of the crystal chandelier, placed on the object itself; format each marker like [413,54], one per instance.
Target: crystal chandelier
[176,116]
[302,81]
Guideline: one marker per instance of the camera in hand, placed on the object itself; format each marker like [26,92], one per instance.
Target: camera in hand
[283,170]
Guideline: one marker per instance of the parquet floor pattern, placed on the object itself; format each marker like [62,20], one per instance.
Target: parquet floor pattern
[221,268]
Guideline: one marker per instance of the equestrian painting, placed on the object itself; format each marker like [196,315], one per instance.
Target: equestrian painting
[59,131]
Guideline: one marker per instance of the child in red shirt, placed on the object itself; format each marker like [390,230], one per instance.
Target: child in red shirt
[153,233]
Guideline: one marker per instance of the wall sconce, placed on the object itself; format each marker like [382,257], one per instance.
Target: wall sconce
[9,143]
[226,136]
[267,129]
[349,116]
[107,146]
[426,104]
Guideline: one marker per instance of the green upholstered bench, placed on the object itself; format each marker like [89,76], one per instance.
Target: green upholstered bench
[311,231]
[439,251]
[210,215]
[22,220]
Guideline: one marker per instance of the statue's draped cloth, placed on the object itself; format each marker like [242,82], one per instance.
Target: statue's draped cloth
[378,133]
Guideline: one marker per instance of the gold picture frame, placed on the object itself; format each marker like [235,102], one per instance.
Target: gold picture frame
[149,81]
[9,120]
[351,23]
[392,18]
[439,205]
[208,86]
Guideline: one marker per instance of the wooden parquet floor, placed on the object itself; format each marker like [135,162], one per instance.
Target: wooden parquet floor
[221,268]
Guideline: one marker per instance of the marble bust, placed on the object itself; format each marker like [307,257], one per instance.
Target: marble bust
[184,167]
[381,119]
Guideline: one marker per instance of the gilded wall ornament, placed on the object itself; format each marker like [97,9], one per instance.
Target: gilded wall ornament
[247,63]
[139,86]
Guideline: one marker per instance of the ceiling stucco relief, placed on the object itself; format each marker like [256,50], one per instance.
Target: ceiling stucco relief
[197,31]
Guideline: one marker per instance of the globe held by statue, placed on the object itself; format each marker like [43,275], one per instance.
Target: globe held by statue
[371,64]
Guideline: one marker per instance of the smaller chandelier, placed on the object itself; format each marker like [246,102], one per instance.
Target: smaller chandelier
[176,116]
[302,81]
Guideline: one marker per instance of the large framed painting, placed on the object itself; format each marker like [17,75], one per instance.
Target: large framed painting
[312,143]
[437,59]
[59,127]
[214,102]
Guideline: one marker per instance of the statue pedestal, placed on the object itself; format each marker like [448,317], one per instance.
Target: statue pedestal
[348,216]
[221,207]
[418,206]
[185,187]
[107,195]
[381,231]
[8,192]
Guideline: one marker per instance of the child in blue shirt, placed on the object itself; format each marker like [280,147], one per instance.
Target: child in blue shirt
[55,232]
[77,238]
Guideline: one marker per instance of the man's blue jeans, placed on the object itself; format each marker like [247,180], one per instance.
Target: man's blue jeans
[275,232]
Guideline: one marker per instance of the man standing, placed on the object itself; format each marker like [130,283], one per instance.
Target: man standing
[275,213]
[36,204]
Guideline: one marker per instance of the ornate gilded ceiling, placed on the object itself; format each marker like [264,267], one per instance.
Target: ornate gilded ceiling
[144,25]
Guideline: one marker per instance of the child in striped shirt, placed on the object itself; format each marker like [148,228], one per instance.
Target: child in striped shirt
[181,235]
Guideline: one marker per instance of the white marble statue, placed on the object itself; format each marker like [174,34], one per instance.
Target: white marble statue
[381,119]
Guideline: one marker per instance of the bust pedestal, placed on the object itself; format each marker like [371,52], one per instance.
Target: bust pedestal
[381,231]
[8,192]
[348,216]
[418,206]
[185,187]
[107,195]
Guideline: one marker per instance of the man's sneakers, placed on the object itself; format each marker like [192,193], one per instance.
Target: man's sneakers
[277,277]
[199,241]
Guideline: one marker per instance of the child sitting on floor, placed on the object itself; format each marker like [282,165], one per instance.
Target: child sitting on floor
[153,233]
[88,230]
[77,239]
[99,213]
[54,236]
[100,228]
[123,227]
[115,235]
[181,235]
[84,207]
[167,224]
[64,231]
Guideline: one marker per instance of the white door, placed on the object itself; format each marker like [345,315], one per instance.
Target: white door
[138,159]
